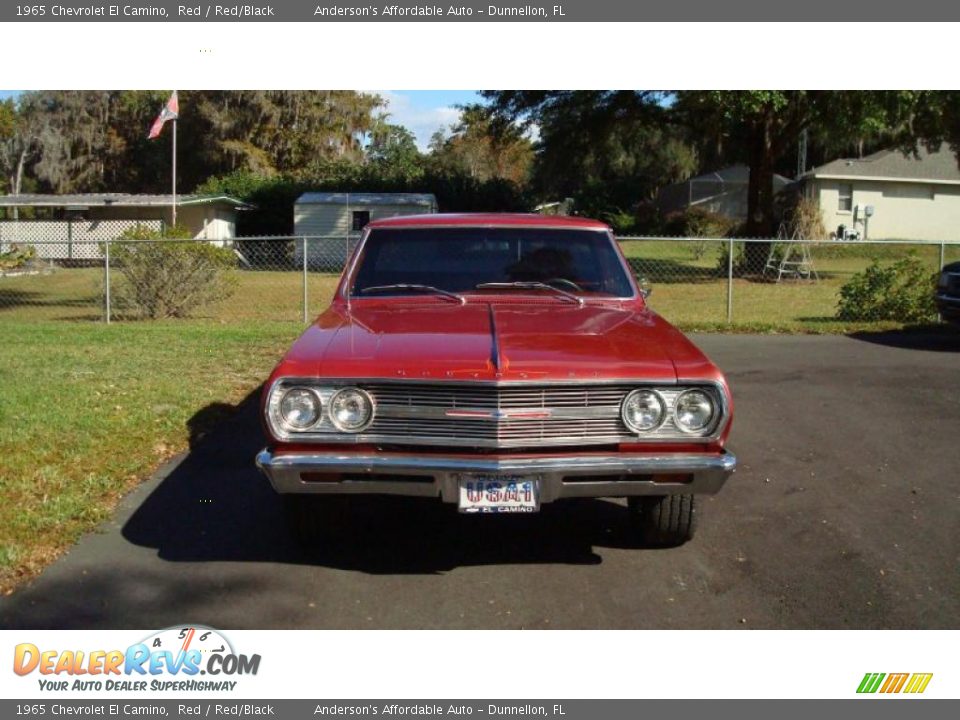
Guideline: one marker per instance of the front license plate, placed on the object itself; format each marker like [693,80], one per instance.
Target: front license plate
[499,494]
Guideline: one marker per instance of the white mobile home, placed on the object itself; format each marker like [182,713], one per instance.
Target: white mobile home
[333,221]
[74,225]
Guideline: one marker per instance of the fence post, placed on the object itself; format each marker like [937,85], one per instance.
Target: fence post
[942,258]
[730,281]
[106,282]
[305,320]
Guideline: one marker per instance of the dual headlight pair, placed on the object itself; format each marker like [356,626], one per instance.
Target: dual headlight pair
[348,409]
[694,411]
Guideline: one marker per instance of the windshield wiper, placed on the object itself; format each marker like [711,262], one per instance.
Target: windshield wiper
[416,288]
[530,285]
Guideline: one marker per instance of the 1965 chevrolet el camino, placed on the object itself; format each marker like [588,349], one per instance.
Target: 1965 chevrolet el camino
[496,362]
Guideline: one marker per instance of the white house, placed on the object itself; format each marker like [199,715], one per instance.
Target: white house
[890,196]
[76,224]
[334,220]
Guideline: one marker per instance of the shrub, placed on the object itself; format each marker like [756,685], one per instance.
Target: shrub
[164,278]
[16,257]
[695,222]
[902,291]
[741,262]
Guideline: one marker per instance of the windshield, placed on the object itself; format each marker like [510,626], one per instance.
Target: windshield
[459,260]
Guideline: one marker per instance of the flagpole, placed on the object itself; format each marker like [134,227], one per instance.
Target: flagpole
[174,205]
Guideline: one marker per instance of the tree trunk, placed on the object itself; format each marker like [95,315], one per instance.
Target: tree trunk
[760,210]
[18,180]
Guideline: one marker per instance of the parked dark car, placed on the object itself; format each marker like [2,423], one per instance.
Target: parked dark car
[948,293]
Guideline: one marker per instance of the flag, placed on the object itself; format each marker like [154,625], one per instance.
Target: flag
[170,111]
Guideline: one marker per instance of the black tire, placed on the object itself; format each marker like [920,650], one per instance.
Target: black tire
[314,518]
[664,520]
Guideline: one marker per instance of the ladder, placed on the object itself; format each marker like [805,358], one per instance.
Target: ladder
[790,257]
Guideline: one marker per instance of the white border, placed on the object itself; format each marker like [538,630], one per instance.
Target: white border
[446,55]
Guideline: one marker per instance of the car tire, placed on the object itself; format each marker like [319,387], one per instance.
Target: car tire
[313,518]
[664,520]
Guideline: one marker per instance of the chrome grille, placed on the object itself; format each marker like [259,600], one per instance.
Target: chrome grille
[421,414]
[497,398]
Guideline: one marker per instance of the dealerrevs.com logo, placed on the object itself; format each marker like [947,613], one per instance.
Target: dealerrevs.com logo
[891,683]
[171,659]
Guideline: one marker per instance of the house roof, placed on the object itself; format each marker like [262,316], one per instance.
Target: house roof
[735,175]
[332,198]
[939,166]
[115,200]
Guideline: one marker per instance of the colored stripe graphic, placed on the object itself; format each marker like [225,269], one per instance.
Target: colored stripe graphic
[918,683]
[870,682]
[894,683]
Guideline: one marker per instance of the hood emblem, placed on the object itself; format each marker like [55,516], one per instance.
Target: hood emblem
[497,415]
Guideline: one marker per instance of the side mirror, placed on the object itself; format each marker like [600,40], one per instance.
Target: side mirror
[646,290]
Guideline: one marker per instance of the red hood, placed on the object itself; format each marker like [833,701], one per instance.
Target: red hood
[433,339]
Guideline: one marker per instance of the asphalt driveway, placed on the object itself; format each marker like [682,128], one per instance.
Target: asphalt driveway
[844,513]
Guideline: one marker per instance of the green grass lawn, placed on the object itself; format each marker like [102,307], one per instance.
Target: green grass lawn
[691,291]
[87,411]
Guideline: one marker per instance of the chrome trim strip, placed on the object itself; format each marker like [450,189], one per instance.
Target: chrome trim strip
[611,475]
[531,382]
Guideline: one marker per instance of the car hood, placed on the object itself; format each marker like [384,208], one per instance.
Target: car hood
[487,341]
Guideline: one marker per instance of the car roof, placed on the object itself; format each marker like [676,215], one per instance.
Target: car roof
[488,220]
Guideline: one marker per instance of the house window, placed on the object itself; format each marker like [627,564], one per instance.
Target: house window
[845,203]
[360,219]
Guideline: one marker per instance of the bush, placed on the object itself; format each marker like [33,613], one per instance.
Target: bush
[902,292]
[163,278]
[805,221]
[695,222]
[16,257]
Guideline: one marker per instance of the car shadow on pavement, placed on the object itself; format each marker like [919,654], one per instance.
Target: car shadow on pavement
[215,506]
[938,339]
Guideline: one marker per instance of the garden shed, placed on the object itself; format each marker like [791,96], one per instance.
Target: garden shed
[333,213]
[333,220]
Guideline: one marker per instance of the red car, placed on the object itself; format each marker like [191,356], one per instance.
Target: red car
[496,362]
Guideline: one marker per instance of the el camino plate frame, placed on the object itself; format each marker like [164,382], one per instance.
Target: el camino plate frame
[498,493]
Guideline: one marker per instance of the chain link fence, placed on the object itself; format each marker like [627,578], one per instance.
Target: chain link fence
[695,282]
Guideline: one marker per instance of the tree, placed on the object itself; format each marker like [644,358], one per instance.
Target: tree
[609,150]
[393,154]
[483,148]
[763,127]
[87,141]
[17,144]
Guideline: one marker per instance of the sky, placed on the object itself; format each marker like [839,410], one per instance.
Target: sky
[423,112]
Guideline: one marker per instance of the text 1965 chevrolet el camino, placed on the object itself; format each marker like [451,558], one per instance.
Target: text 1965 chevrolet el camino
[496,362]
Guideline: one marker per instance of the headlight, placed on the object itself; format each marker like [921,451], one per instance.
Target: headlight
[643,410]
[300,408]
[693,411]
[351,410]
[944,281]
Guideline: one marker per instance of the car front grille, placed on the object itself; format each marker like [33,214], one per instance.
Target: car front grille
[503,416]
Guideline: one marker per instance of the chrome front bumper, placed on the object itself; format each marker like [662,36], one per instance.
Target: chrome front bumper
[439,475]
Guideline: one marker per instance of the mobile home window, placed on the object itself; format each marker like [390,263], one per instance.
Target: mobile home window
[360,219]
[846,198]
